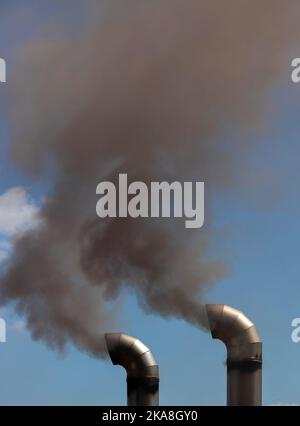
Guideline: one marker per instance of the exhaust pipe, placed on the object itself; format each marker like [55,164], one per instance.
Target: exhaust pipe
[244,353]
[140,365]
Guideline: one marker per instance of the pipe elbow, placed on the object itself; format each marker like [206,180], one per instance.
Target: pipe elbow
[131,354]
[238,333]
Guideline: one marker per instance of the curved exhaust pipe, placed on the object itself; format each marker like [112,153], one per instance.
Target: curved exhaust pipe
[244,353]
[140,365]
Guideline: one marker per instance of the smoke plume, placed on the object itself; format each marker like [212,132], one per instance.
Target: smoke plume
[147,88]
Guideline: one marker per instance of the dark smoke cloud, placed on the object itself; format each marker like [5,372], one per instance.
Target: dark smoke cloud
[147,90]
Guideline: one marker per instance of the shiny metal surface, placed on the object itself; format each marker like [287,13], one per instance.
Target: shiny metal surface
[244,353]
[140,365]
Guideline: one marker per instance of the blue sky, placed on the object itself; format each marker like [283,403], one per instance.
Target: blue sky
[261,242]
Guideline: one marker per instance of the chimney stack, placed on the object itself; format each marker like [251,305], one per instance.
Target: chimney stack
[140,365]
[244,353]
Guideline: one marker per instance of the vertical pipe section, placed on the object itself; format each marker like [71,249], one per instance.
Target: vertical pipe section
[244,353]
[140,365]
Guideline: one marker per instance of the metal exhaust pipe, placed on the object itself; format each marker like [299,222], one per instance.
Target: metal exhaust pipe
[244,353]
[140,365]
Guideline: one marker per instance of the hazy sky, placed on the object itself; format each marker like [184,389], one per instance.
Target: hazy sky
[260,241]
